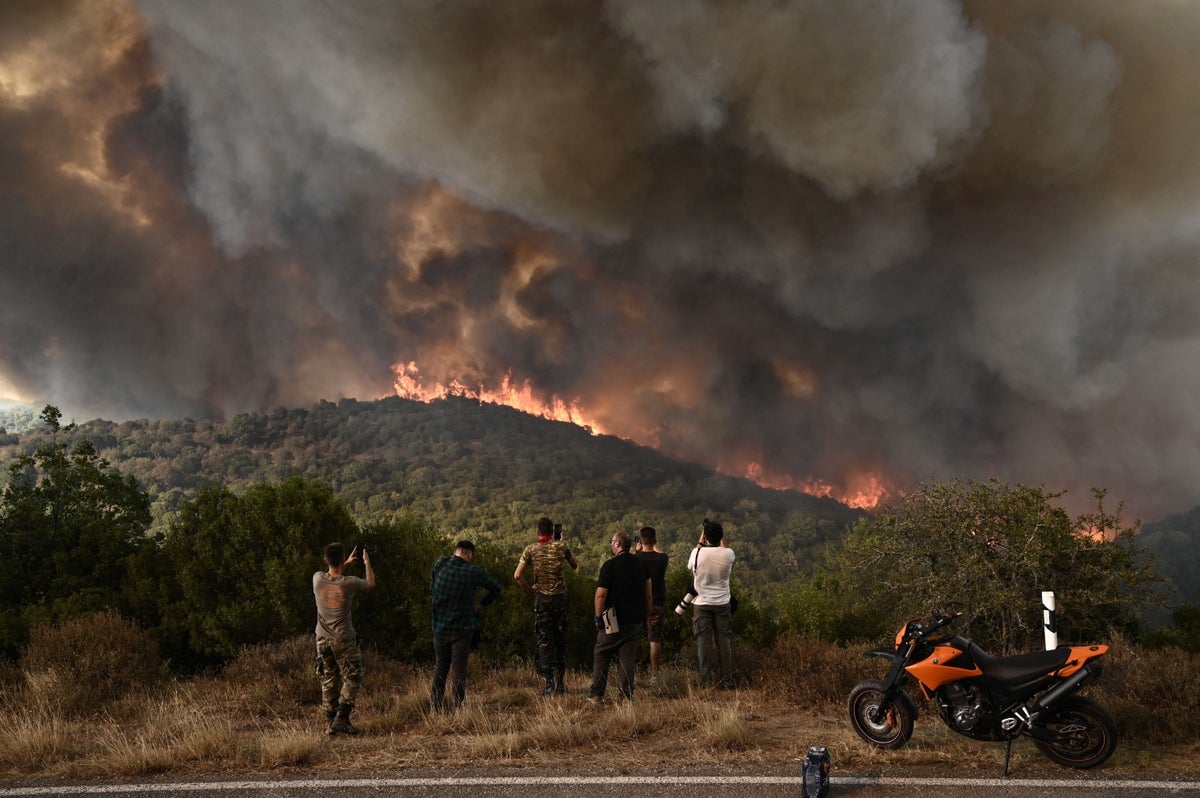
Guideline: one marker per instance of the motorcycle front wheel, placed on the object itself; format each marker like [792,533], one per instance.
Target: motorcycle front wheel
[884,727]
[1084,734]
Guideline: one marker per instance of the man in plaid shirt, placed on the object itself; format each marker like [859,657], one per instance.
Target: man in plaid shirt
[454,584]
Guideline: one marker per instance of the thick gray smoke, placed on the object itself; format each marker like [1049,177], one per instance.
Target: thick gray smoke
[835,239]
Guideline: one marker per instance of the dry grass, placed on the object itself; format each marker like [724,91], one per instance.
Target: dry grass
[261,716]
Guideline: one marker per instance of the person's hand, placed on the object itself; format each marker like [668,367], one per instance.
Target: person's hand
[366,558]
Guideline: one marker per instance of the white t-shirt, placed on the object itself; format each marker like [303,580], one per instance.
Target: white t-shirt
[711,566]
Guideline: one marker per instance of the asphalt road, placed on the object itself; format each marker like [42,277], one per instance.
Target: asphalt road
[682,785]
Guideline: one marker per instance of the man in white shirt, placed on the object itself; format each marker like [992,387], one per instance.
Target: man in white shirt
[711,563]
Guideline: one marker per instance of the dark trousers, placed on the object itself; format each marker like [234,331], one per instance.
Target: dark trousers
[451,652]
[712,626]
[623,647]
[550,629]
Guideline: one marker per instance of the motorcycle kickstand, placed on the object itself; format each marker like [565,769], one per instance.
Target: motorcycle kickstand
[1007,756]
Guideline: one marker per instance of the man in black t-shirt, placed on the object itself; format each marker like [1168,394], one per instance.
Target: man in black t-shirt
[624,587]
[655,562]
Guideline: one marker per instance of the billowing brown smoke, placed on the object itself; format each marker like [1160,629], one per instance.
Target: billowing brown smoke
[835,239]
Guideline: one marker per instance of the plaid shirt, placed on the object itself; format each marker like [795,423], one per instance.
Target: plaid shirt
[453,584]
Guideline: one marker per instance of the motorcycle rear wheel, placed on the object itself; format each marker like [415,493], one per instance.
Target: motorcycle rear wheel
[892,728]
[1085,734]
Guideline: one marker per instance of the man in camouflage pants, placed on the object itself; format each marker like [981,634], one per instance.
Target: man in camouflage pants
[339,662]
[550,605]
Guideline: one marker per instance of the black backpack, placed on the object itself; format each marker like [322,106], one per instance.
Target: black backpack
[815,781]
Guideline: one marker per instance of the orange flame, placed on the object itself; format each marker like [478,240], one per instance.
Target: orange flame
[519,397]
[863,491]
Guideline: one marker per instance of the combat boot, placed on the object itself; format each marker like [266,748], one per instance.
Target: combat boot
[341,723]
[330,715]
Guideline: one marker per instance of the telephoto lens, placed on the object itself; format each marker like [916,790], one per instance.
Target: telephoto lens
[684,603]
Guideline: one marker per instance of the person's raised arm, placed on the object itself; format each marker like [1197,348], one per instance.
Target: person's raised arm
[368,570]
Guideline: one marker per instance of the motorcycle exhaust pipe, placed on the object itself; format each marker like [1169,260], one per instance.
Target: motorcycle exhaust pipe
[1052,699]
[1026,715]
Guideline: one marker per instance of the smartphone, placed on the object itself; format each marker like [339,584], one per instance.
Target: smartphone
[558,531]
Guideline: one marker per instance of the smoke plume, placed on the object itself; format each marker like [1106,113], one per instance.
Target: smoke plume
[832,243]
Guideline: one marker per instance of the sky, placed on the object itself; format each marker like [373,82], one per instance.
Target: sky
[842,245]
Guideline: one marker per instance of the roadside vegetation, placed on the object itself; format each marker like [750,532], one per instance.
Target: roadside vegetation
[87,702]
[129,647]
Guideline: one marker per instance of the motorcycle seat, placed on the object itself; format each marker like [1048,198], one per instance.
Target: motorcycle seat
[1020,667]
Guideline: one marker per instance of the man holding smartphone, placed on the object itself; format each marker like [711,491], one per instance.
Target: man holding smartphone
[339,661]
[549,589]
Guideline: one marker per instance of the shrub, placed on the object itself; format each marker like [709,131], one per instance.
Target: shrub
[1138,683]
[86,665]
[271,678]
[812,672]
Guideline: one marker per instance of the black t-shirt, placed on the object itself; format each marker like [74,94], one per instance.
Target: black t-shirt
[625,577]
[656,567]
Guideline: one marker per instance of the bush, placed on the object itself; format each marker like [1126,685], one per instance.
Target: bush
[813,673]
[1138,683]
[87,665]
[273,678]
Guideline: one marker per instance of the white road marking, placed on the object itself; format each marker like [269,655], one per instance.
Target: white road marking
[580,781]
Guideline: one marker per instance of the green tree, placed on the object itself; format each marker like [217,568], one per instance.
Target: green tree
[236,569]
[69,524]
[1184,631]
[395,618]
[986,549]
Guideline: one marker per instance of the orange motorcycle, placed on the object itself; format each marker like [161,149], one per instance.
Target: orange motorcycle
[987,698]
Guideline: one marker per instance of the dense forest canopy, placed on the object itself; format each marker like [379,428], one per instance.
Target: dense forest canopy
[471,469]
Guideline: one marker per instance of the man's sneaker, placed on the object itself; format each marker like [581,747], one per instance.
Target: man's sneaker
[595,699]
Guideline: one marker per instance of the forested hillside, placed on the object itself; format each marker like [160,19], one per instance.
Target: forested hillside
[206,533]
[1173,542]
[473,469]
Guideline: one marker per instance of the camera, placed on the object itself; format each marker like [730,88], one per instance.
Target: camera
[558,531]
[685,602]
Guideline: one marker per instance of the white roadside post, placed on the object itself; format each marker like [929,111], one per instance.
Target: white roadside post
[1048,622]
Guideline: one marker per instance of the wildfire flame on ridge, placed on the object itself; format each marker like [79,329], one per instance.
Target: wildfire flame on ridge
[517,396]
[864,491]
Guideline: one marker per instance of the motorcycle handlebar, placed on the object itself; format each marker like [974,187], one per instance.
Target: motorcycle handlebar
[938,621]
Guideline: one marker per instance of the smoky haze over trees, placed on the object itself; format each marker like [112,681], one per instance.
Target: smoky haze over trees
[908,240]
